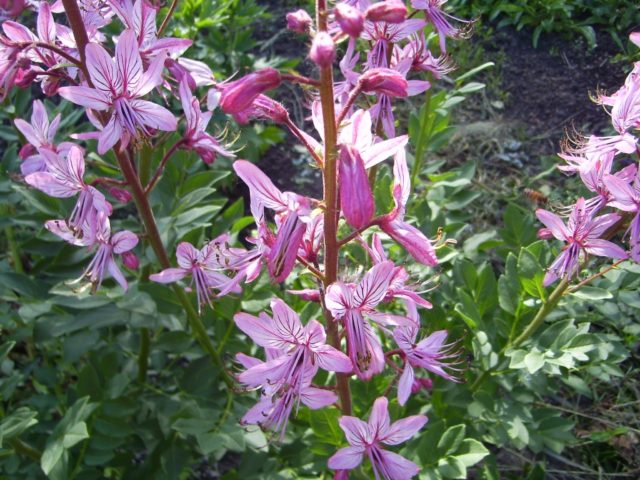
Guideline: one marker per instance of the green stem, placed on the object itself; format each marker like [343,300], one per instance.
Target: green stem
[544,310]
[330,180]
[423,136]
[144,167]
[143,356]
[535,324]
[21,448]
[13,249]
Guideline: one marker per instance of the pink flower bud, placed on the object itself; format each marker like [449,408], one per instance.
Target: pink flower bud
[123,196]
[350,19]
[635,38]
[299,21]
[421,384]
[545,234]
[130,260]
[323,51]
[390,11]
[384,81]
[356,198]
[26,151]
[239,95]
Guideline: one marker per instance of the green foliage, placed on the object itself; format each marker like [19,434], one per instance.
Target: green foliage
[574,17]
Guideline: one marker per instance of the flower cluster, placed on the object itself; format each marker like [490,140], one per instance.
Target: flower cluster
[614,184]
[126,91]
[112,89]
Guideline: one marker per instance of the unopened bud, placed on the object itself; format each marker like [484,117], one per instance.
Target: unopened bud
[384,81]
[390,11]
[239,95]
[27,150]
[421,384]
[130,260]
[299,21]
[350,19]
[323,51]
[545,234]
[635,38]
[121,195]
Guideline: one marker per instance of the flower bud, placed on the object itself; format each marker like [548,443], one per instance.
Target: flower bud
[299,21]
[544,234]
[356,198]
[27,150]
[239,95]
[635,38]
[390,11]
[323,51]
[350,19]
[384,81]
[123,196]
[421,384]
[130,260]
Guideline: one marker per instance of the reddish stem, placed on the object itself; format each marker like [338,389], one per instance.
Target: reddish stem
[330,180]
[160,169]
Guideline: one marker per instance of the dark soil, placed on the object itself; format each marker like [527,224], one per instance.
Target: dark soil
[548,89]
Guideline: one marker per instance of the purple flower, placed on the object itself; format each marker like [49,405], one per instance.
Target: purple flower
[393,224]
[367,439]
[441,21]
[63,178]
[294,354]
[40,134]
[349,303]
[582,234]
[398,286]
[99,234]
[203,266]
[195,137]
[390,11]
[117,87]
[428,353]
[291,209]
[350,19]
[299,21]
[140,17]
[626,197]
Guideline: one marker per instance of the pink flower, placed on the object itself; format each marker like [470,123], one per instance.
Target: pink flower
[295,352]
[441,20]
[202,265]
[291,209]
[40,134]
[398,287]
[99,234]
[626,197]
[349,303]
[195,137]
[140,17]
[393,224]
[118,86]
[428,353]
[63,178]
[240,94]
[582,234]
[368,439]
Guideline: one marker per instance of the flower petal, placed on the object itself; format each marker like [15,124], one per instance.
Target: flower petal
[155,116]
[128,60]
[404,384]
[169,275]
[403,430]
[103,71]
[379,419]
[346,458]
[86,97]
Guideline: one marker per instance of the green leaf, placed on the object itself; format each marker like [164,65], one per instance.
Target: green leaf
[76,434]
[534,361]
[471,451]
[324,423]
[451,440]
[592,293]
[17,422]
[452,467]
